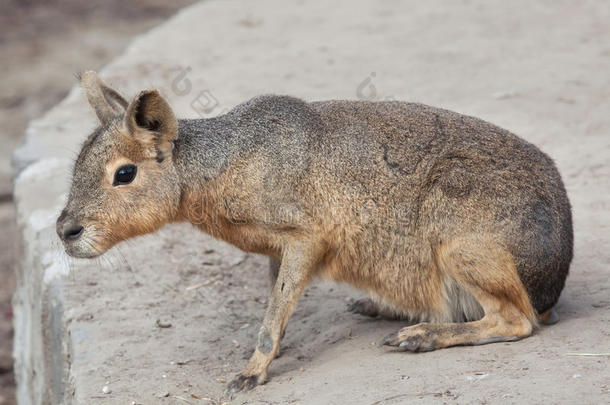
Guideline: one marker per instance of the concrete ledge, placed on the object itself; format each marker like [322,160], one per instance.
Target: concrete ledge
[81,326]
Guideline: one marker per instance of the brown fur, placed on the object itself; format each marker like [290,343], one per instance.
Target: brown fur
[442,218]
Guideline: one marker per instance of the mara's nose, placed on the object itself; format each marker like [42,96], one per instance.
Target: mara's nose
[73,232]
[68,230]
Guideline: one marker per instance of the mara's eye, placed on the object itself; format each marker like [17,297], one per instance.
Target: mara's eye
[124,175]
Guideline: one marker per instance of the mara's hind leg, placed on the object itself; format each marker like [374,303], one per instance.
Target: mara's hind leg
[502,322]
[488,273]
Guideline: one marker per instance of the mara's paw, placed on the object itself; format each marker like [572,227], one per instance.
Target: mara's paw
[243,383]
[416,338]
[364,306]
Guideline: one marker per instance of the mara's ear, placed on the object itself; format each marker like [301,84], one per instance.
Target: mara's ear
[150,120]
[106,102]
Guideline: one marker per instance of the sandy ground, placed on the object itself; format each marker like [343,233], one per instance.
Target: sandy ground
[42,45]
[542,73]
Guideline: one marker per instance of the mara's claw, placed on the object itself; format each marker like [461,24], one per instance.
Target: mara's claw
[390,340]
[242,383]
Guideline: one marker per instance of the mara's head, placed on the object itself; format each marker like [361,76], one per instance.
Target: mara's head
[124,181]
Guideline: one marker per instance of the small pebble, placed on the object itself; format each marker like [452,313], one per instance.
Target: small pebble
[576,376]
[502,95]
[161,324]
[163,394]
[106,389]
[477,377]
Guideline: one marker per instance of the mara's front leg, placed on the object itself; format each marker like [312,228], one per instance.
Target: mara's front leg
[297,265]
[274,271]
